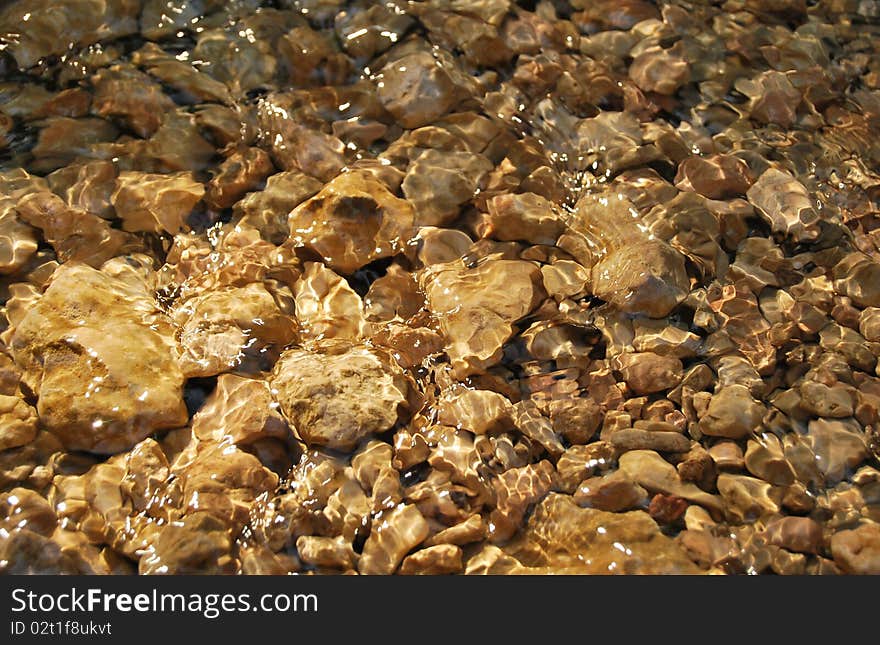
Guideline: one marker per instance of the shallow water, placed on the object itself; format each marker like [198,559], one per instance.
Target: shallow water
[439,287]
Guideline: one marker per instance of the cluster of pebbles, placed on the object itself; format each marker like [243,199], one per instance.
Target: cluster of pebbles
[451,286]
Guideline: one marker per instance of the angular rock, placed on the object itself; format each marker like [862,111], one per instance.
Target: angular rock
[857,551]
[732,413]
[438,183]
[477,307]
[155,203]
[394,534]
[339,393]
[352,221]
[786,205]
[106,375]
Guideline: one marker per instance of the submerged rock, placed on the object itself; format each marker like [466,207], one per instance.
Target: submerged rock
[352,221]
[339,394]
[478,306]
[105,376]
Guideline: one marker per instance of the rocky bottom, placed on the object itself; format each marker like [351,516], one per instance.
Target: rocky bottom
[440,287]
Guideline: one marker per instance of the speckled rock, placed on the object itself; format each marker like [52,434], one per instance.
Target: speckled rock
[339,393]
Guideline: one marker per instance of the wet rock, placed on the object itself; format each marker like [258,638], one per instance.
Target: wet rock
[857,551]
[479,411]
[352,221]
[656,475]
[714,176]
[18,422]
[46,33]
[199,544]
[74,234]
[798,534]
[416,89]
[230,328]
[786,205]
[560,533]
[339,393]
[516,490]
[576,419]
[857,277]
[123,92]
[732,413]
[646,372]
[614,492]
[438,183]
[155,203]
[105,375]
[394,534]
[63,140]
[834,402]
[637,439]
[335,553]
[471,530]
[839,446]
[647,279]
[326,306]
[441,245]
[477,307]
[747,498]
[667,509]
[527,217]
[267,209]
[659,70]
[433,560]
[240,173]
[240,410]
[765,459]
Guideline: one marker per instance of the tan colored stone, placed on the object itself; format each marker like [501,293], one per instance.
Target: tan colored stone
[338,394]
[394,534]
[477,307]
[105,374]
[857,551]
[352,221]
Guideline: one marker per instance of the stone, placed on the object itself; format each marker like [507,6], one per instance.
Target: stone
[637,439]
[647,278]
[352,221]
[656,475]
[857,551]
[199,544]
[327,306]
[798,534]
[100,357]
[714,176]
[416,89]
[18,422]
[438,183]
[646,372]
[527,217]
[267,210]
[479,411]
[478,306]
[659,70]
[614,492]
[156,203]
[561,537]
[240,410]
[433,560]
[338,393]
[786,205]
[732,413]
[394,534]
[839,447]
[332,552]
[232,328]
[241,172]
